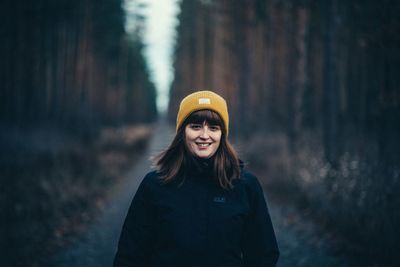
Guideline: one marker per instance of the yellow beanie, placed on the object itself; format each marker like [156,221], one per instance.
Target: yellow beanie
[203,100]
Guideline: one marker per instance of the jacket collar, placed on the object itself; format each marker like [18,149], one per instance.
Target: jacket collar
[195,166]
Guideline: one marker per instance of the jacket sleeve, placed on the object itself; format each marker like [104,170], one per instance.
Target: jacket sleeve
[260,247]
[136,239]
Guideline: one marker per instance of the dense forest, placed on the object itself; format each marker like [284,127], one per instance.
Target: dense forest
[313,92]
[71,64]
[68,69]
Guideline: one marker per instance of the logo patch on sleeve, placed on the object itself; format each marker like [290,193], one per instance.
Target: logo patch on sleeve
[204,101]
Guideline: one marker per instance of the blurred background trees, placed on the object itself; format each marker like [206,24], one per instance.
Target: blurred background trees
[67,70]
[70,64]
[313,89]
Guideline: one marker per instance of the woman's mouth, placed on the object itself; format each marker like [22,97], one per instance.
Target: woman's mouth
[203,145]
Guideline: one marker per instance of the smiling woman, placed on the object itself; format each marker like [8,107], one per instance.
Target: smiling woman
[203,139]
[200,207]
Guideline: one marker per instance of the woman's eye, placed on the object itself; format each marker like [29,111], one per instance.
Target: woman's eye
[214,128]
[195,126]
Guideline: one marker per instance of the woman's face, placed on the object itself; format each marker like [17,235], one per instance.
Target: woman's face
[203,139]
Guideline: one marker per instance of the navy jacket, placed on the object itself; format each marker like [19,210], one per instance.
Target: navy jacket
[197,223]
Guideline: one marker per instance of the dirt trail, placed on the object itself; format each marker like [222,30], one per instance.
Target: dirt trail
[97,247]
[300,243]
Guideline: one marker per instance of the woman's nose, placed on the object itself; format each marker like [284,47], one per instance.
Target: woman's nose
[204,133]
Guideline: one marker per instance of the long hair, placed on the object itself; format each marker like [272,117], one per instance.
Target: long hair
[172,162]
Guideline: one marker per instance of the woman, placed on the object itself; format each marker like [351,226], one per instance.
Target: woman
[199,207]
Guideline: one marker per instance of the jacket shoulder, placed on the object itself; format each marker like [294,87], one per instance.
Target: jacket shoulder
[150,180]
[148,187]
[248,178]
[250,183]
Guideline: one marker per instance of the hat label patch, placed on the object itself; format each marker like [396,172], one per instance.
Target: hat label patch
[204,101]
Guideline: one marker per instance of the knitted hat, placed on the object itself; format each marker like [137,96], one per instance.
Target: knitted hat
[203,100]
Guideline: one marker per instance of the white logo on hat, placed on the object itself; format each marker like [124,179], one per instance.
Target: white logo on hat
[204,101]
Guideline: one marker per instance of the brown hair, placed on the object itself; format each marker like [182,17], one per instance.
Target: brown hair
[171,163]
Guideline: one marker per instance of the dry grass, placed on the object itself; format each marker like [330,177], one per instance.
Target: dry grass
[52,184]
[357,199]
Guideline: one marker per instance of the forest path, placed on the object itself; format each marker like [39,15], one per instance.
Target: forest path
[300,243]
[97,247]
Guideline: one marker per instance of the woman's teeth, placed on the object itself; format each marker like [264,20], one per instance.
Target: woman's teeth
[203,145]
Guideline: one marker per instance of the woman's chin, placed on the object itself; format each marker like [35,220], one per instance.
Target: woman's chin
[203,154]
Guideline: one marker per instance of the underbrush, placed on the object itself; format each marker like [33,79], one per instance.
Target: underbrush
[53,183]
[357,199]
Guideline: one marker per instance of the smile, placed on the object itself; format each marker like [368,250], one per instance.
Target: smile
[203,144]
